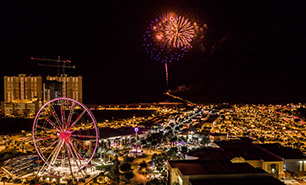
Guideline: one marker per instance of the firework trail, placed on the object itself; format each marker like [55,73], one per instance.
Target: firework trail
[168,38]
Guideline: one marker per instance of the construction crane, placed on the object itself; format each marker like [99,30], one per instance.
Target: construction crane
[55,63]
[59,64]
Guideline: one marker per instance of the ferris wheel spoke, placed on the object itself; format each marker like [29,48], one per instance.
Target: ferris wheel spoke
[50,146]
[43,128]
[52,153]
[74,154]
[45,138]
[69,157]
[77,153]
[51,156]
[63,117]
[56,117]
[70,115]
[86,148]
[76,140]
[58,150]
[53,124]
[77,120]
[83,136]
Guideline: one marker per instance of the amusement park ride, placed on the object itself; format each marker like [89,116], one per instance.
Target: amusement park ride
[65,135]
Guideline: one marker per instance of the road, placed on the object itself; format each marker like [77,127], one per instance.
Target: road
[139,178]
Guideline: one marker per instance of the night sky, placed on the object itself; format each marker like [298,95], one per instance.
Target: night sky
[254,50]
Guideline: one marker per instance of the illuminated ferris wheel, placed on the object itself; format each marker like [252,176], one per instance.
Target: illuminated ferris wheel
[65,136]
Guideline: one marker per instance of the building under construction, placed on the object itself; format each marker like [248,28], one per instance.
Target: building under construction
[63,86]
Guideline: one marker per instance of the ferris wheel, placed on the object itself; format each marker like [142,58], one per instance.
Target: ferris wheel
[65,136]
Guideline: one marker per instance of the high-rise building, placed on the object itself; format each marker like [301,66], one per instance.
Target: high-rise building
[22,87]
[24,95]
[71,87]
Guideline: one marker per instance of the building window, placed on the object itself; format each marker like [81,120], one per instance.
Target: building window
[274,170]
[180,180]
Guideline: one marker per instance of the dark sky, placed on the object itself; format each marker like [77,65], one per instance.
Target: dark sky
[255,50]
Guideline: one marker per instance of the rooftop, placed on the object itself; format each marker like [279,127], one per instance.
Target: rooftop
[217,134]
[265,180]
[212,167]
[208,153]
[285,152]
[247,150]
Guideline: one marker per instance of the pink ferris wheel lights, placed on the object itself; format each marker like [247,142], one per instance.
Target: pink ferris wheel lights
[59,134]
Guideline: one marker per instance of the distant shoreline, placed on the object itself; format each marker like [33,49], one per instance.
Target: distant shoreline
[14,126]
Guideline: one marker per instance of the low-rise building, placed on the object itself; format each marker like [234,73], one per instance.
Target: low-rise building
[238,151]
[247,152]
[237,181]
[218,136]
[112,137]
[294,159]
[186,172]
[25,108]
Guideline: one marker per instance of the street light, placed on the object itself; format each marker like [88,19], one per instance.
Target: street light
[136,129]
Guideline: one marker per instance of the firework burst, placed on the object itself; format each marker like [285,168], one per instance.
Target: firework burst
[168,38]
[178,31]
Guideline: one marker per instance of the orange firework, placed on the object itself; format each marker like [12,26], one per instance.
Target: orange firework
[178,31]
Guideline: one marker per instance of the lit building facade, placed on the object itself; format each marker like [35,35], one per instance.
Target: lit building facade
[20,108]
[22,87]
[22,95]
